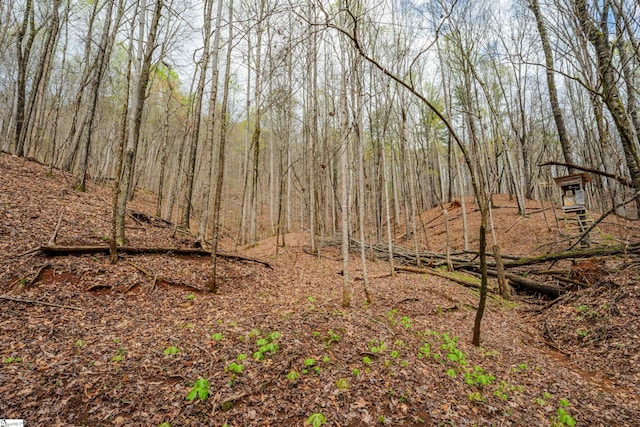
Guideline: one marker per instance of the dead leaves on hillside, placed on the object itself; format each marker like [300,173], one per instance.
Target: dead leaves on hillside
[106,364]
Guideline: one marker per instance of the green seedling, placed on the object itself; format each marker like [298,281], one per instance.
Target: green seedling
[406,322]
[267,345]
[342,384]
[234,368]
[8,360]
[424,351]
[293,375]
[216,336]
[316,420]
[79,343]
[377,346]
[191,297]
[366,360]
[120,356]
[562,417]
[477,377]
[200,390]
[332,337]
[171,351]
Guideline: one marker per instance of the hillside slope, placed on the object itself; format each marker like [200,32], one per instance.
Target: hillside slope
[117,346]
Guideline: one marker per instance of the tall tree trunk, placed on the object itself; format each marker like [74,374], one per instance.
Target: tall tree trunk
[23,51]
[213,284]
[135,118]
[610,93]
[197,116]
[551,84]
[100,67]
[207,193]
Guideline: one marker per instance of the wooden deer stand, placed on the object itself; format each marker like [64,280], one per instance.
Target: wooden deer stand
[574,203]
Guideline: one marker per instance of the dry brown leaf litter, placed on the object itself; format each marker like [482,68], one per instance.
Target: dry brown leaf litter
[106,365]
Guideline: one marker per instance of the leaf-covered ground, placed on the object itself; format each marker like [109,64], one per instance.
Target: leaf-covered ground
[275,346]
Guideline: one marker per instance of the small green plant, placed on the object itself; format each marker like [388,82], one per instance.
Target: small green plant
[391,314]
[309,363]
[477,377]
[332,337]
[171,351]
[377,346]
[165,424]
[191,297]
[451,373]
[342,384]
[381,419]
[267,345]
[582,308]
[562,417]
[235,368]
[293,375]
[476,396]
[547,395]
[404,363]
[326,359]
[315,420]
[216,336]
[366,360]
[8,360]
[312,299]
[406,322]
[316,334]
[582,333]
[188,326]
[424,351]
[254,333]
[453,353]
[241,357]
[119,357]
[79,343]
[200,390]
[355,372]
[394,354]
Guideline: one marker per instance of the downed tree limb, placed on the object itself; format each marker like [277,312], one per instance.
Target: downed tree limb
[614,250]
[54,250]
[457,277]
[157,278]
[33,301]
[520,282]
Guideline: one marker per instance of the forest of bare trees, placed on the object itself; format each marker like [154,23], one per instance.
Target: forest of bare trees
[256,118]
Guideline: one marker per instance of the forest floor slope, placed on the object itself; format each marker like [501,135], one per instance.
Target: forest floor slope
[118,346]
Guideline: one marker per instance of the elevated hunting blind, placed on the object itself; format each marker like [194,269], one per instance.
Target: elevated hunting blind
[573,192]
[574,201]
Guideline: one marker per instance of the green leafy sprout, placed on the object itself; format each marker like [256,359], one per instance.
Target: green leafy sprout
[316,420]
[171,351]
[200,390]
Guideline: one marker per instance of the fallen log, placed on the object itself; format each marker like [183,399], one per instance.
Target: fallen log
[33,301]
[457,277]
[55,250]
[614,250]
[520,282]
